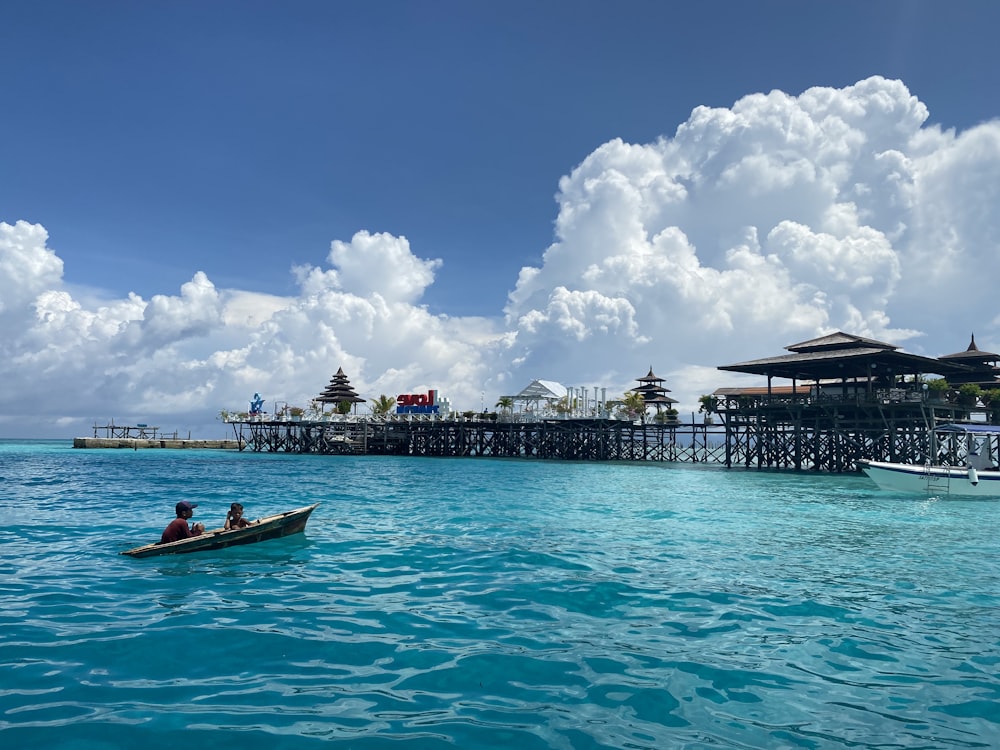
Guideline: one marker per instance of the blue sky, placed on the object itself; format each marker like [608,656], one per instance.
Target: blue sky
[153,141]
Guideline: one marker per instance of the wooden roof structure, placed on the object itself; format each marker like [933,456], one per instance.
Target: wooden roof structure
[841,356]
[653,391]
[984,373]
[973,354]
[339,390]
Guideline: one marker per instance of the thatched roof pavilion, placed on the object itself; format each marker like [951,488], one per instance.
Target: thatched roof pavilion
[339,390]
[984,373]
[843,356]
[653,392]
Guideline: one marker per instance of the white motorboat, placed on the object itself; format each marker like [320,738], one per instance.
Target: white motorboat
[933,480]
[974,445]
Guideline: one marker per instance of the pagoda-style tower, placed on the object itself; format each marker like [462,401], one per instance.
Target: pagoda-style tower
[653,391]
[984,366]
[339,390]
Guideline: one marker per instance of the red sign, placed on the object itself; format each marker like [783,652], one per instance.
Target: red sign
[417,403]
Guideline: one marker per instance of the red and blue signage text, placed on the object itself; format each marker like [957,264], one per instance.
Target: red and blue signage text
[417,403]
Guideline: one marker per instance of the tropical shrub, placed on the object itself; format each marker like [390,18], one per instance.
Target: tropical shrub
[709,403]
[968,394]
[938,388]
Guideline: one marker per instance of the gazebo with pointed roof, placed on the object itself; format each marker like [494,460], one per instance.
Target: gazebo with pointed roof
[985,372]
[843,356]
[339,390]
[653,392]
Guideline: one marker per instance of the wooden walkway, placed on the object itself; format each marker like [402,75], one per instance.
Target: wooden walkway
[565,439]
[831,433]
[827,434]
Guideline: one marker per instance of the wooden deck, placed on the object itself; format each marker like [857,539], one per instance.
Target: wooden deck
[565,439]
[826,433]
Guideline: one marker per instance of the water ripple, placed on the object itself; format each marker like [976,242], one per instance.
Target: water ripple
[480,604]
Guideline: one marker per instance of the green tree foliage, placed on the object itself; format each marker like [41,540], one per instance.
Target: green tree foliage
[938,388]
[709,403]
[634,405]
[969,393]
[382,405]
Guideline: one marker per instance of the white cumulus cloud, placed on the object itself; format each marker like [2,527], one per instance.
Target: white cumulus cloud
[748,228]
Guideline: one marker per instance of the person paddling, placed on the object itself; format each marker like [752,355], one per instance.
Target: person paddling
[178,528]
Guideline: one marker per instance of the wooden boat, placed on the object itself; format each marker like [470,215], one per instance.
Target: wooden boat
[971,445]
[270,527]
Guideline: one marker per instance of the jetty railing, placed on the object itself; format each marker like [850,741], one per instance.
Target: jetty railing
[582,439]
[114,431]
[825,431]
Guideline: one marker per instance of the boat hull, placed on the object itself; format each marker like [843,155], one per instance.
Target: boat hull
[270,527]
[932,480]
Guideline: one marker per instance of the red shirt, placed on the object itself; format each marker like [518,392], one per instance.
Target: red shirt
[178,529]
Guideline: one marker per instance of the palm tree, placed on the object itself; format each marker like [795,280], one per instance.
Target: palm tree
[506,403]
[635,404]
[383,405]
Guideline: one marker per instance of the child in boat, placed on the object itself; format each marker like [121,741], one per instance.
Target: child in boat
[234,518]
[178,528]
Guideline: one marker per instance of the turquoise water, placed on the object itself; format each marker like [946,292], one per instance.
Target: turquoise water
[463,603]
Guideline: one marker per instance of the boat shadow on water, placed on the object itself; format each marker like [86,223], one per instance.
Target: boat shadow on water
[275,558]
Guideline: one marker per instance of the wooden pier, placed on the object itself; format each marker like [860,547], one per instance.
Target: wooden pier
[829,433]
[565,439]
[832,432]
[851,398]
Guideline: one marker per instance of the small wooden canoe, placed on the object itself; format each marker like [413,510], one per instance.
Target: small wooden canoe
[271,527]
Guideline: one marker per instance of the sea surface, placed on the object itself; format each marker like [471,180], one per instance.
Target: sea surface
[485,603]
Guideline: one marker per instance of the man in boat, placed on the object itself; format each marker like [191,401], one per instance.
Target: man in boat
[178,528]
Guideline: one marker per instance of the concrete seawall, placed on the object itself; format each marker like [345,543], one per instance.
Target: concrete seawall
[136,443]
